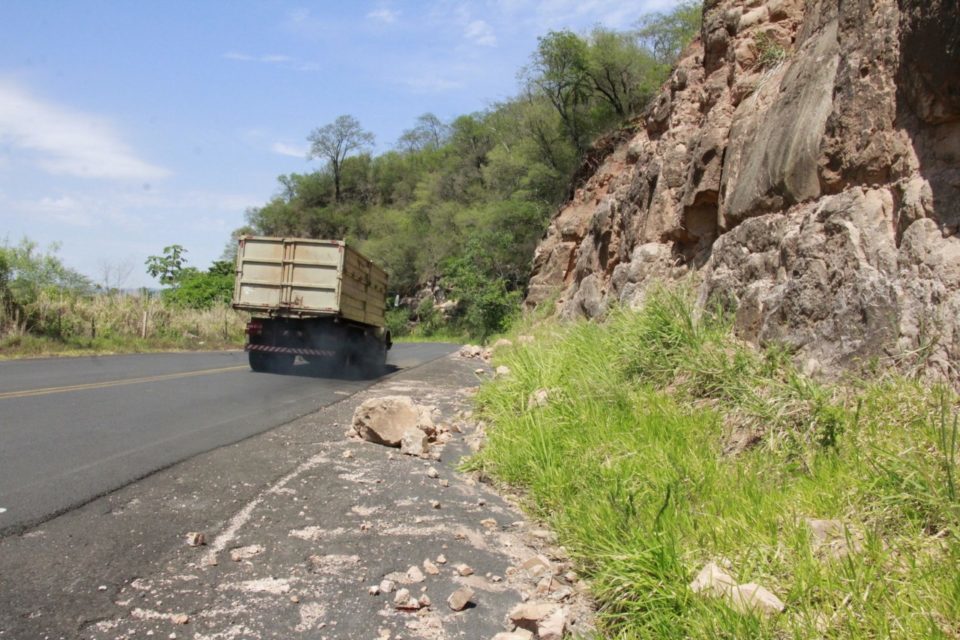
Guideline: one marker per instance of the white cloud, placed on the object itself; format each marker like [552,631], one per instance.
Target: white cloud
[481,33]
[270,58]
[284,149]
[384,15]
[65,142]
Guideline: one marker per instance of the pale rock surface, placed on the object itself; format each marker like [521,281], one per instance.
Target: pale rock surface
[386,420]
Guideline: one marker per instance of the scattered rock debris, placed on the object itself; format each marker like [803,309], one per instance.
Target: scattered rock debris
[357,533]
[745,598]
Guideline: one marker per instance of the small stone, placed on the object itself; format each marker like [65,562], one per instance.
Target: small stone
[196,539]
[387,586]
[102,587]
[553,626]
[432,473]
[502,371]
[414,575]
[414,443]
[536,566]
[481,501]
[295,599]
[444,482]
[430,568]
[538,399]
[374,590]
[464,569]
[245,553]
[519,634]
[403,600]
[435,504]
[441,559]
[489,523]
[179,618]
[459,599]
[424,600]
[752,598]
[712,580]
[346,454]
[496,578]
[528,615]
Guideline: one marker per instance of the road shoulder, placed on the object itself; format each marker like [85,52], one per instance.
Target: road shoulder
[302,524]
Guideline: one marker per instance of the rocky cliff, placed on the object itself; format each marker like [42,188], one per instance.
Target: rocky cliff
[803,165]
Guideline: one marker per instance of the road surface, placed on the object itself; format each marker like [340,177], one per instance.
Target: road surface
[72,429]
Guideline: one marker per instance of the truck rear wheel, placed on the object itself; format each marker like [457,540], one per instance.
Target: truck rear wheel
[271,362]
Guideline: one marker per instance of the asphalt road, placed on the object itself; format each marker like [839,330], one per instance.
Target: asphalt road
[72,429]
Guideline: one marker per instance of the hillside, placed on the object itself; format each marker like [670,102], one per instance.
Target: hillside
[801,165]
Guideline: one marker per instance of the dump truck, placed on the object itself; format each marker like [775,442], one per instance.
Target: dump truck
[317,299]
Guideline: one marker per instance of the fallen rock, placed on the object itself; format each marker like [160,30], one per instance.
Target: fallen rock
[245,553]
[519,634]
[713,581]
[553,626]
[196,539]
[387,419]
[464,569]
[430,568]
[470,351]
[432,473]
[536,566]
[414,575]
[752,598]
[530,614]
[180,618]
[387,586]
[502,343]
[404,601]
[539,398]
[833,539]
[525,339]
[459,599]
[414,443]
[424,601]
[502,371]
[441,559]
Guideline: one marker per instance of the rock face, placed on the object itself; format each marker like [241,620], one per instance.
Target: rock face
[803,166]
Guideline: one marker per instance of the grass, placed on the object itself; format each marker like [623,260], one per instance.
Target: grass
[112,323]
[634,462]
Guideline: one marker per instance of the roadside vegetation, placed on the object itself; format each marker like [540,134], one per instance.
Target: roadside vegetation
[47,308]
[454,211]
[661,443]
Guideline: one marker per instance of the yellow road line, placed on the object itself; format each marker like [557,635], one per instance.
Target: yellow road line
[26,393]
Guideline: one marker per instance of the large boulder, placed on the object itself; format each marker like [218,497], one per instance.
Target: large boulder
[386,420]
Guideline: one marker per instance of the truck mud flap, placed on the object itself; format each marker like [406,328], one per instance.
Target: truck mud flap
[329,353]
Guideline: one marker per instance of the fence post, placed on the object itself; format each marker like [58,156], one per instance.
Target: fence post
[143,326]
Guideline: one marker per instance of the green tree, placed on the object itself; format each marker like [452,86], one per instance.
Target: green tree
[167,268]
[666,34]
[623,74]
[560,72]
[335,141]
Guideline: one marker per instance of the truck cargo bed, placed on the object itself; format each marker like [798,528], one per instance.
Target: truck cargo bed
[303,278]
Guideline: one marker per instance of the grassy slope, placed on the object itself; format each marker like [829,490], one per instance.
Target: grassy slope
[627,462]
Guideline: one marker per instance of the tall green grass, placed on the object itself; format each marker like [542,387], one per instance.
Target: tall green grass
[635,462]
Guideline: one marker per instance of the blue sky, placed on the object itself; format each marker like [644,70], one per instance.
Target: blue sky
[128,126]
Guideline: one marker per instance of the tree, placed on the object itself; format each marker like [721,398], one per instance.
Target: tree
[169,267]
[623,74]
[666,34]
[335,141]
[429,133]
[560,72]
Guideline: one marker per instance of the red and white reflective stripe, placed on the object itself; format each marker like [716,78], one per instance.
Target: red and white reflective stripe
[300,352]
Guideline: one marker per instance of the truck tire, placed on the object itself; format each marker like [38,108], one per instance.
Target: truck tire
[271,362]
